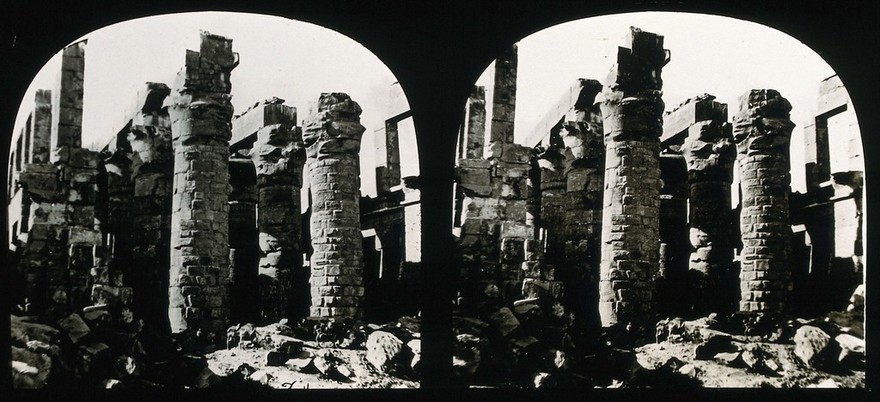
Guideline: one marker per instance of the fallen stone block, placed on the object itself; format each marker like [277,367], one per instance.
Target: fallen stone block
[75,328]
[812,346]
[852,351]
[300,361]
[415,347]
[728,359]
[713,345]
[383,349]
[29,370]
[22,331]
[466,355]
[505,321]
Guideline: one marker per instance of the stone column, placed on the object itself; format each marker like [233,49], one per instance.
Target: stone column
[244,248]
[279,156]
[710,152]
[582,215]
[762,131]
[332,137]
[633,111]
[200,122]
[674,248]
[152,177]
[475,138]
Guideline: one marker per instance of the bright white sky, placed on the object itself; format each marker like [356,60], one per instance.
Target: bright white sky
[297,61]
[721,56]
[292,60]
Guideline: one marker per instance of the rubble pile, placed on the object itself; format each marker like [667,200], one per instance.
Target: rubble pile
[96,350]
[758,349]
[320,353]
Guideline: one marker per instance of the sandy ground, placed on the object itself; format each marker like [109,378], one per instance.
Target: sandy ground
[364,375]
[793,375]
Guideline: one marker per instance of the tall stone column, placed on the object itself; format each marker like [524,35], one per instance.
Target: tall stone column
[201,112]
[584,153]
[244,249]
[633,114]
[152,177]
[332,137]
[709,151]
[279,155]
[762,131]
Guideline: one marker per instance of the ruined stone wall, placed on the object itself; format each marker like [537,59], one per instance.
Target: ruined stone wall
[332,137]
[633,111]
[762,131]
[200,120]
[475,137]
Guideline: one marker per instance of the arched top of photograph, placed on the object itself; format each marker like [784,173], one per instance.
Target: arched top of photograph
[278,58]
[709,54]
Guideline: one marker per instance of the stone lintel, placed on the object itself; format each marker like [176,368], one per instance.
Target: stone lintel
[266,113]
[832,97]
[696,109]
[580,95]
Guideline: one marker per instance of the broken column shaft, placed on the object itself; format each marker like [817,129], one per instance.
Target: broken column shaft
[200,121]
[332,137]
[762,131]
[633,111]
[278,155]
[710,152]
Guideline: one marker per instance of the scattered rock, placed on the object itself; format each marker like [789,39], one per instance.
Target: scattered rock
[75,328]
[383,349]
[505,321]
[689,370]
[846,322]
[811,345]
[857,300]
[275,359]
[415,347]
[542,380]
[262,377]
[711,346]
[112,383]
[728,358]
[22,331]
[29,370]
[466,355]
[852,351]
[299,361]
[826,383]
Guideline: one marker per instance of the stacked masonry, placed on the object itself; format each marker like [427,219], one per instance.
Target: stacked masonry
[633,111]
[709,151]
[278,155]
[762,131]
[63,252]
[135,204]
[582,222]
[332,137]
[494,231]
[200,119]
